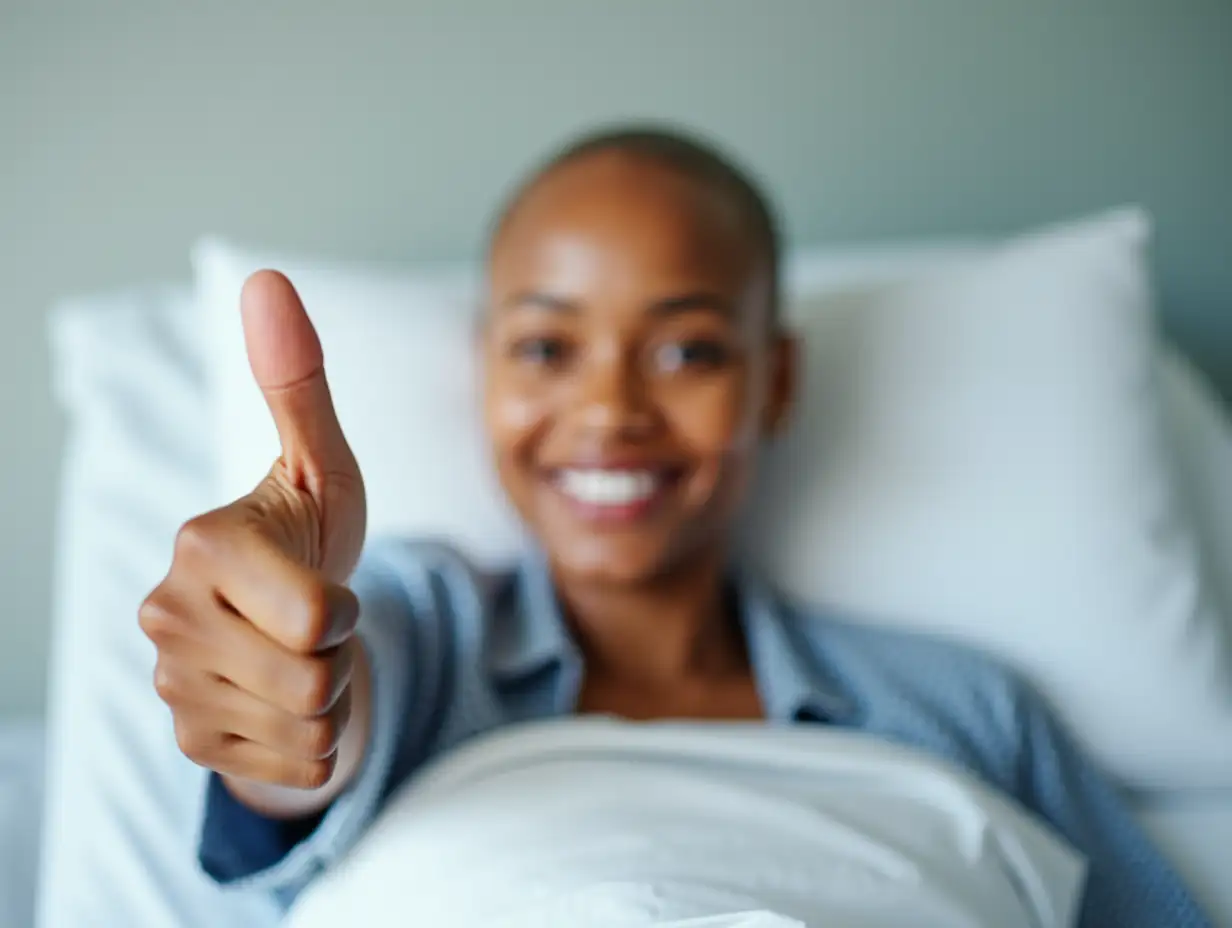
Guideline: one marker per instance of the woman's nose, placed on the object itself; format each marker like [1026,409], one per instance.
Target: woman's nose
[614,396]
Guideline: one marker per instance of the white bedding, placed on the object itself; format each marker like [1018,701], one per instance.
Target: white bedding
[1194,832]
[21,794]
[594,823]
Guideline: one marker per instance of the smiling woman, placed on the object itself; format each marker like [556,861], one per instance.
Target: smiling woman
[633,365]
[632,344]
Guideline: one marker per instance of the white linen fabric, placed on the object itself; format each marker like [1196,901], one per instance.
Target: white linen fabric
[979,452]
[594,822]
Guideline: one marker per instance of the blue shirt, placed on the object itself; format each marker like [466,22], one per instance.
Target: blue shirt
[456,653]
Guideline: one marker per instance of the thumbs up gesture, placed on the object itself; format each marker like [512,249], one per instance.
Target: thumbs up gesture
[253,624]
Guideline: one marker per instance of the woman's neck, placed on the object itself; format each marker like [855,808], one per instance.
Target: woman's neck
[674,628]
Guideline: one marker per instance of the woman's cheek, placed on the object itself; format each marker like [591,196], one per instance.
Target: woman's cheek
[515,416]
[716,419]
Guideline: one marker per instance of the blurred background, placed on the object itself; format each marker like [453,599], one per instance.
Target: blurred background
[389,129]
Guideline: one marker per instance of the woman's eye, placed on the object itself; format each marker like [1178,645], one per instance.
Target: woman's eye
[696,353]
[541,350]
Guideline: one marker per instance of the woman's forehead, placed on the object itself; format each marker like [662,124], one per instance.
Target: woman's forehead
[612,217]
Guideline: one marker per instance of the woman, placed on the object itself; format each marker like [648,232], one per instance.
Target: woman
[634,362]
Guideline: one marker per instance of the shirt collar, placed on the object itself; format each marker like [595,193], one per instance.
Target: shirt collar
[529,631]
[530,634]
[791,679]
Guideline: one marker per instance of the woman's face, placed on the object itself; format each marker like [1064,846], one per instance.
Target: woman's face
[631,367]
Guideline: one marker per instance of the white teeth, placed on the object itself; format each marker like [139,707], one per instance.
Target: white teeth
[609,487]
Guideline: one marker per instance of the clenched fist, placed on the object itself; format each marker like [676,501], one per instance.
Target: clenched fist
[253,624]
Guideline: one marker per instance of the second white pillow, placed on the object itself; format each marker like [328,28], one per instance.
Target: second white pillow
[980,453]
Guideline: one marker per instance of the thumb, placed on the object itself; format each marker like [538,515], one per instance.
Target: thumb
[284,353]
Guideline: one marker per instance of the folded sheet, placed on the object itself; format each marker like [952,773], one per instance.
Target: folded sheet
[595,822]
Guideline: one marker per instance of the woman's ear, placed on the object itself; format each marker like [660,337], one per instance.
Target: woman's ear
[784,361]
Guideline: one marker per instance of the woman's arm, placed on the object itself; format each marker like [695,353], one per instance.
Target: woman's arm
[1129,883]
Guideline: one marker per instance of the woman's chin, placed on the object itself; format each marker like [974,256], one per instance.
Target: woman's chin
[626,561]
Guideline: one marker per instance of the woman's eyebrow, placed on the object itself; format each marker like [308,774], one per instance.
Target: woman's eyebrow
[699,301]
[533,299]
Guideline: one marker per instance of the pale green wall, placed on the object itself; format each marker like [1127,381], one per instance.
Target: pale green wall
[388,129]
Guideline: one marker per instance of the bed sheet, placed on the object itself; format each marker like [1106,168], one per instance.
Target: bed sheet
[1195,833]
[21,796]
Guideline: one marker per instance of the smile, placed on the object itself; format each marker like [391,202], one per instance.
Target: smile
[603,487]
[613,495]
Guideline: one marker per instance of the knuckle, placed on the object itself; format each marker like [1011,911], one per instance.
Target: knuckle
[159,621]
[196,539]
[168,682]
[346,608]
[341,711]
[317,737]
[314,624]
[189,539]
[195,743]
[313,774]
[342,660]
[315,686]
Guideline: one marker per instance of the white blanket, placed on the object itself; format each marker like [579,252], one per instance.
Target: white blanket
[593,823]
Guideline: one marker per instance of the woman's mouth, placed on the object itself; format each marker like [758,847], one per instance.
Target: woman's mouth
[611,494]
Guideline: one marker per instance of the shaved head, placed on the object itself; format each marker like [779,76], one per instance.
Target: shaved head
[693,159]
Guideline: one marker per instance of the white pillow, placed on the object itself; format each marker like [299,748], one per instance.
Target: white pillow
[978,453]
[123,804]
[400,367]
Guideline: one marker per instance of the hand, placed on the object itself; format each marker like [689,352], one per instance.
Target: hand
[253,624]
